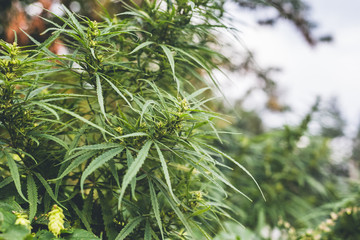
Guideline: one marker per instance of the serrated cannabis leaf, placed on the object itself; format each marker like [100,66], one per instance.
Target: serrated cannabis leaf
[14,173]
[32,196]
[132,224]
[98,162]
[134,168]
[156,208]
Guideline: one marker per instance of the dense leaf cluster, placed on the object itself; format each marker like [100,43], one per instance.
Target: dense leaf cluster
[114,132]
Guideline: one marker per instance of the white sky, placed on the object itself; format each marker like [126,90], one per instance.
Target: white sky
[326,70]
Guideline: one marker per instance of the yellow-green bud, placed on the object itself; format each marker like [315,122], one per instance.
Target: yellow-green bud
[22,219]
[94,24]
[10,75]
[14,62]
[198,195]
[119,130]
[160,124]
[92,43]
[56,220]
[100,58]
[184,104]
[5,62]
[14,49]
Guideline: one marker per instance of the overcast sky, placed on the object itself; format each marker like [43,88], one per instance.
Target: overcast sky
[326,70]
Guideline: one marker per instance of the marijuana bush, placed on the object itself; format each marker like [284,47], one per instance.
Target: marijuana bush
[113,139]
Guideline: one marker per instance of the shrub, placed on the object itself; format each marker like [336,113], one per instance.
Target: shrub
[112,139]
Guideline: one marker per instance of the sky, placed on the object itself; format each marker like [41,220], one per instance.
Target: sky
[329,69]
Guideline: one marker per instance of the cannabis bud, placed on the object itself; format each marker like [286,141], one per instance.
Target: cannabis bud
[119,130]
[184,105]
[56,220]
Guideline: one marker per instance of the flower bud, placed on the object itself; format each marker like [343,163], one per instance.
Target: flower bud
[22,219]
[56,220]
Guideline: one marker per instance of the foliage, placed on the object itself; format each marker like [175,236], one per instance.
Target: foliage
[340,225]
[295,173]
[331,121]
[113,138]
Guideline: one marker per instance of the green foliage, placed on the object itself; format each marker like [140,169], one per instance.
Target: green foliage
[295,173]
[115,132]
[116,139]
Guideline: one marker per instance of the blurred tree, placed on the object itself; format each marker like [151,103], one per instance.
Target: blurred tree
[330,119]
[294,11]
[354,170]
[294,170]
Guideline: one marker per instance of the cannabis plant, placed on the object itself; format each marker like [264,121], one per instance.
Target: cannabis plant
[112,140]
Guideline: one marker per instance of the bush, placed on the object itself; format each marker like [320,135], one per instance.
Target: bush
[112,140]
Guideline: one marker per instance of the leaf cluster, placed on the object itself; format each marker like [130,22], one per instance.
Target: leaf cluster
[115,132]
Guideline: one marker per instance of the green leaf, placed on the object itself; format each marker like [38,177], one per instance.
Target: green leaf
[117,91]
[155,205]
[79,160]
[147,235]
[98,162]
[107,215]
[14,174]
[36,91]
[196,93]
[194,163]
[46,50]
[200,211]
[54,36]
[99,146]
[52,70]
[48,109]
[136,134]
[134,168]
[217,176]
[7,218]
[176,209]
[165,170]
[77,26]
[81,234]
[22,152]
[237,164]
[75,155]
[32,196]
[48,188]
[130,160]
[205,233]
[100,95]
[192,58]
[18,232]
[44,235]
[145,106]
[6,181]
[133,223]
[52,138]
[170,57]
[114,172]
[142,45]
[87,208]
[83,218]
[78,117]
